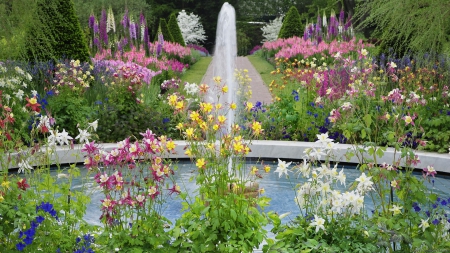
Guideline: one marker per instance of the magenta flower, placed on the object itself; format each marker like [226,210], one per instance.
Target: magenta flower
[429,170]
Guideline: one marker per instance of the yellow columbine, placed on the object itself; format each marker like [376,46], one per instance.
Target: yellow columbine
[5,185]
[257,129]
[200,163]
[225,89]
[218,106]
[189,132]
[211,146]
[179,105]
[206,107]
[238,147]
[170,145]
[217,79]
[173,100]
[221,119]
[254,170]
[195,116]
[188,152]
[180,126]
[249,106]
[396,209]
[267,168]
[233,106]
[1,198]
[215,127]
[203,88]
[203,125]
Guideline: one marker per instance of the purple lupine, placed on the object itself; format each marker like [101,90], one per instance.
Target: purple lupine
[125,20]
[91,21]
[146,36]
[142,21]
[161,38]
[103,33]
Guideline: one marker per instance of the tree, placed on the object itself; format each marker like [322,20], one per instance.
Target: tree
[56,33]
[292,25]
[175,30]
[164,29]
[412,25]
[271,30]
[191,28]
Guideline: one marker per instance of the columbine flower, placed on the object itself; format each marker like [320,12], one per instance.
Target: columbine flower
[424,224]
[63,137]
[83,136]
[396,209]
[200,163]
[94,125]
[429,170]
[365,183]
[24,165]
[318,223]
[282,167]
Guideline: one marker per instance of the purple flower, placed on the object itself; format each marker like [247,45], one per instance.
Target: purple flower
[103,32]
[435,221]
[125,20]
[133,31]
[20,246]
[341,17]
[91,21]
[95,27]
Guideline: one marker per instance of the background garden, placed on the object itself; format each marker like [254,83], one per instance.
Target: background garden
[367,73]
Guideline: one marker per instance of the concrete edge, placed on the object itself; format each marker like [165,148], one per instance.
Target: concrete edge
[286,150]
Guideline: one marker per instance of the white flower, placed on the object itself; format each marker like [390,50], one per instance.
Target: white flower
[424,224]
[94,125]
[365,184]
[396,209]
[83,136]
[318,223]
[19,94]
[364,52]
[304,168]
[34,93]
[341,177]
[323,138]
[282,167]
[63,138]
[24,165]
[51,140]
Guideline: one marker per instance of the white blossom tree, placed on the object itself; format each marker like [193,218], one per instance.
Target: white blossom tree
[271,30]
[191,28]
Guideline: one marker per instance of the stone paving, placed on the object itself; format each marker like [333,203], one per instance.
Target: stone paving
[260,91]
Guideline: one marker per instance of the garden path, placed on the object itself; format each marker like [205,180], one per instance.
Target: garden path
[260,91]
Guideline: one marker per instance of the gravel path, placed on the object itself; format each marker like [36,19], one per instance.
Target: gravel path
[260,91]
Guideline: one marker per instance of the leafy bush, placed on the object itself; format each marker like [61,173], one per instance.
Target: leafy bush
[175,30]
[292,25]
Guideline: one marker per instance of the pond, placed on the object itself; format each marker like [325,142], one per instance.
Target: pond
[279,190]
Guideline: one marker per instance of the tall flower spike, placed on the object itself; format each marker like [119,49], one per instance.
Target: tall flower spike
[125,20]
[103,27]
[91,21]
[111,23]
[324,23]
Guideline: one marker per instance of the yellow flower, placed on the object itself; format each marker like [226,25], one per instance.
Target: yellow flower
[257,129]
[236,128]
[170,145]
[211,146]
[188,152]
[262,191]
[215,127]
[203,88]
[172,99]
[210,118]
[396,209]
[179,105]
[221,119]
[195,116]
[189,132]
[217,79]
[203,125]
[254,170]
[5,185]
[233,106]
[267,168]
[225,89]
[218,106]
[1,198]
[249,106]
[180,126]
[200,163]
[238,147]
[206,107]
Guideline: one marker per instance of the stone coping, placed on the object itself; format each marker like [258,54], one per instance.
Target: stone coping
[285,150]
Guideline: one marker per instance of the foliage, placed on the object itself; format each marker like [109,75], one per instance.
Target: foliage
[191,28]
[57,33]
[417,26]
[175,30]
[291,24]
[272,29]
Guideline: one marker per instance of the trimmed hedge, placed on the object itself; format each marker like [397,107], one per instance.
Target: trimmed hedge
[292,25]
[175,30]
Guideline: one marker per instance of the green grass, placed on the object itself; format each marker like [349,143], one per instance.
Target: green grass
[197,71]
[264,68]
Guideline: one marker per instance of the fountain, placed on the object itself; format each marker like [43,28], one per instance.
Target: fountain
[224,61]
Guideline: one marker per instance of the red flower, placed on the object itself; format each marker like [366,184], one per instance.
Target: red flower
[33,104]
[22,184]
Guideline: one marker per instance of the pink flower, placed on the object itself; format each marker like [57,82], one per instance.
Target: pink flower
[429,170]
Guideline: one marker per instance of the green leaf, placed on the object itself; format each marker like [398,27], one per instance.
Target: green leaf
[233,214]
[368,120]
[363,133]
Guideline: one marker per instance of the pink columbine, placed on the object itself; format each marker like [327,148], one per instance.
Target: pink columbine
[429,170]
[408,119]
[175,189]
[153,191]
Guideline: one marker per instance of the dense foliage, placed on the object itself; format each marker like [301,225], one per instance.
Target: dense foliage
[292,25]
[175,30]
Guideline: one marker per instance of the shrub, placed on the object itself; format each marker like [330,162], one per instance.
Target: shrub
[175,30]
[165,30]
[292,25]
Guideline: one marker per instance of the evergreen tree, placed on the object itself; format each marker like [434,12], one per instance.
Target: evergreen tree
[175,30]
[56,33]
[165,30]
[292,25]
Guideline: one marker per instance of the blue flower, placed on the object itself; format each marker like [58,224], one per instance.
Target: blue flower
[444,202]
[20,246]
[435,221]
[40,219]
[28,240]
[166,120]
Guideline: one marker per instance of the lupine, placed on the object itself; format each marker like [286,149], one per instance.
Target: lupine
[103,27]
[111,23]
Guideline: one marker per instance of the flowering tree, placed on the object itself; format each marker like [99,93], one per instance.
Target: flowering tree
[271,30]
[191,28]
